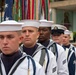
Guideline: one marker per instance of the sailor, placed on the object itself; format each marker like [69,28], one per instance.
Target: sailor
[12,60]
[44,39]
[57,32]
[70,52]
[37,51]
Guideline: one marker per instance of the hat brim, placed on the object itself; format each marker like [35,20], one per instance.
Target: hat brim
[57,32]
[10,27]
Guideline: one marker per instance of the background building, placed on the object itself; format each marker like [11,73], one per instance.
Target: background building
[61,11]
[64,12]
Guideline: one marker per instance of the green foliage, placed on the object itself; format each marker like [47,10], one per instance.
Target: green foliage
[74,36]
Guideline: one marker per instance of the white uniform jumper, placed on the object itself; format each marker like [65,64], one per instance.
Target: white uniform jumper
[45,58]
[71,58]
[25,65]
[60,57]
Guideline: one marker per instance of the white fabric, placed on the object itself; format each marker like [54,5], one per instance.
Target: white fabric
[62,68]
[33,23]
[67,50]
[57,26]
[22,69]
[67,32]
[45,23]
[52,61]
[10,25]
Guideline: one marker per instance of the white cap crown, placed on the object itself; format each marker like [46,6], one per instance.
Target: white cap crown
[67,32]
[33,23]
[10,25]
[45,23]
[57,26]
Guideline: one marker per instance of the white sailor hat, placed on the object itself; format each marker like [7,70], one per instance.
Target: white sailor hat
[67,32]
[45,23]
[33,23]
[58,27]
[10,25]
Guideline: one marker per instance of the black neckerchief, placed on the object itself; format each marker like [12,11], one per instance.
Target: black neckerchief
[45,43]
[66,46]
[9,60]
[29,51]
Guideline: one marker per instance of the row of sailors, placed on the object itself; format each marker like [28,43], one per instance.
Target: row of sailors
[48,56]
